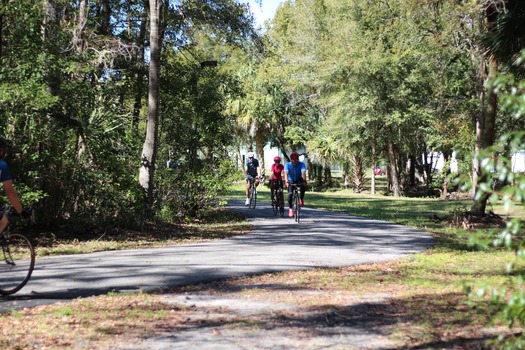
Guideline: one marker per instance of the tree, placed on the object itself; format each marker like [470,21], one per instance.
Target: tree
[149,150]
[504,38]
[503,300]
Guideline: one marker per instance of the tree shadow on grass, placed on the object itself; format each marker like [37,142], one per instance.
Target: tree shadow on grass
[420,322]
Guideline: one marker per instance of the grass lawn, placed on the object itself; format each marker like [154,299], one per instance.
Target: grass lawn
[422,301]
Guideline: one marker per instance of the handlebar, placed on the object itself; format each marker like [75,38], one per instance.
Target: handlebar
[26,214]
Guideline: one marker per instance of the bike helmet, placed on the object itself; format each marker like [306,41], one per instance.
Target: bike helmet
[276,159]
[249,155]
[294,156]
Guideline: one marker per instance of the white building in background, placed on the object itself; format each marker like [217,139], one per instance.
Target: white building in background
[436,159]
[517,162]
[438,162]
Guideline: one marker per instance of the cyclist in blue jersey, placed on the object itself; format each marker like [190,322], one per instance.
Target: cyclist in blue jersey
[252,170]
[295,172]
[9,190]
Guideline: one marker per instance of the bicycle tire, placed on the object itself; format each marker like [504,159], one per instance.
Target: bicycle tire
[281,203]
[275,203]
[253,197]
[18,262]
[297,206]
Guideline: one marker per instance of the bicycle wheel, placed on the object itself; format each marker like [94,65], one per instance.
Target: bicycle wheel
[297,207]
[253,197]
[281,202]
[275,203]
[18,262]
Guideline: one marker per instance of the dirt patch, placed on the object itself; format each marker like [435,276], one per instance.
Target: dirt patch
[223,321]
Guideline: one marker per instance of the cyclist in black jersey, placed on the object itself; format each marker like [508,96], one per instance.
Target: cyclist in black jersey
[9,190]
[252,172]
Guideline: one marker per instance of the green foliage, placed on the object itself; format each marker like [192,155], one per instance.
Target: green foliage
[72,102]
[378,72]
[496,165]
[187,189]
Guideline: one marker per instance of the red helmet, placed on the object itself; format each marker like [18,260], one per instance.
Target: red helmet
[294,156]
[276,159]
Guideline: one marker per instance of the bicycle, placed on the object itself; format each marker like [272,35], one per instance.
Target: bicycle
[295,201]
[253,193]
[277,198]
[18,261]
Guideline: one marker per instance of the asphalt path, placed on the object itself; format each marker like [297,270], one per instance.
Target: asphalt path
[321,239]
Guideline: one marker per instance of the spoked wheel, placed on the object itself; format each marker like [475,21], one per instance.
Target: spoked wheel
[280,197]
[297,208]
[18,262]
[253,198]
[275,205]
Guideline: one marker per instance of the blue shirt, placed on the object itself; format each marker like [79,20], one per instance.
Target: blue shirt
[294,172]
[5,173]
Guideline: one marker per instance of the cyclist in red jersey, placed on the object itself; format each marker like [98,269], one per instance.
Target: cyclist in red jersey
[276,176]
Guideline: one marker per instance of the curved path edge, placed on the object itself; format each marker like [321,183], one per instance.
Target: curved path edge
[321,239]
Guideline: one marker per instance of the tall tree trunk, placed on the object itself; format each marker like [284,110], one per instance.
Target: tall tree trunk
[141,72]
[412,171]
[327,177]
[260,142]
[49,30]
[373,178]
[78,35]
[486,121]
[485,134]
[393,171]
[104,13]
[357,172]
[59,199]
[149,150]
[447,156]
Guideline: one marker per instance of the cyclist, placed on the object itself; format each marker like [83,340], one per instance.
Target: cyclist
[252,170]
[295,172]
[9,190]
[276,177]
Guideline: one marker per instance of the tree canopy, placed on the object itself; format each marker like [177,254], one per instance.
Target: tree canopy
[353,83]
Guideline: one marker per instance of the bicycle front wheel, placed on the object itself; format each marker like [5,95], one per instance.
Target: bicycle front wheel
[297,207]
[18,262]
[253,198]
[281,203]
[275,205]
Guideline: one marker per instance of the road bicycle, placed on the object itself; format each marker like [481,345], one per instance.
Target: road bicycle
[253,193]
[18,261]
[295,201]
[277,198]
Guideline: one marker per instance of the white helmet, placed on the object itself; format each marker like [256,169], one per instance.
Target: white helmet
[249,154]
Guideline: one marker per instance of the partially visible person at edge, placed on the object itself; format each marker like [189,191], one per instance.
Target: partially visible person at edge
[9,190]
[276,177]
[295,172]
[252,170]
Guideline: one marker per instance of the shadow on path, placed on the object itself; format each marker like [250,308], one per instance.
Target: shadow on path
[321,239]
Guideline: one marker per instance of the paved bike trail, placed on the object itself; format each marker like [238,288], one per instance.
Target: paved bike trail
[321,239]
